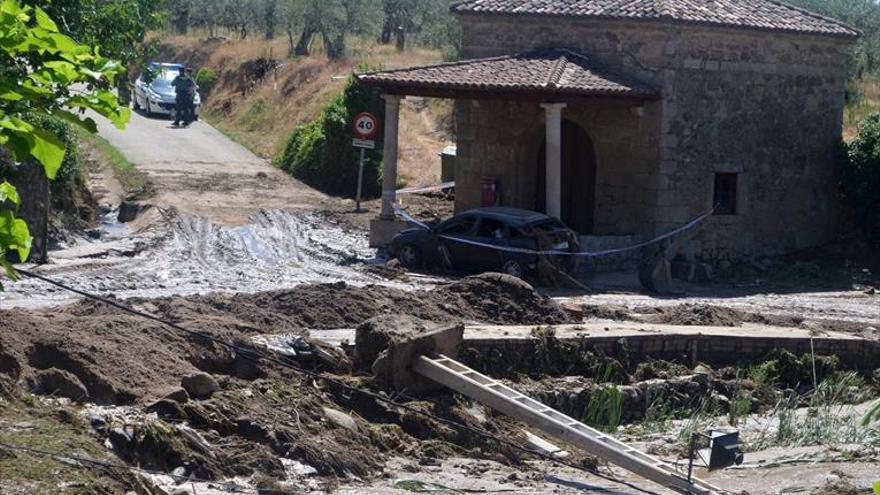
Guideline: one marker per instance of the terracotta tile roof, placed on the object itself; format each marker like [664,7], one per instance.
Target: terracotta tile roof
[759,14]
[545,72]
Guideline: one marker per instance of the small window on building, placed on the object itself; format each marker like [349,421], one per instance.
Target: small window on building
[725,193]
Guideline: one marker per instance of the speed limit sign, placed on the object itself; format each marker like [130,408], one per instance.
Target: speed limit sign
[366,126]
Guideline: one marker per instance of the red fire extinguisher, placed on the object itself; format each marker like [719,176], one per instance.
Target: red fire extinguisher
[490,186]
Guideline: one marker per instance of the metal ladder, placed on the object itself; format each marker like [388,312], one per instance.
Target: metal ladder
[482,388]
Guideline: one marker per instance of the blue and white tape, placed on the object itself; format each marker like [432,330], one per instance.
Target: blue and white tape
[672,233]
[424,189]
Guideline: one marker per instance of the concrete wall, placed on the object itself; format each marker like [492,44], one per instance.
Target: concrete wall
[763,104]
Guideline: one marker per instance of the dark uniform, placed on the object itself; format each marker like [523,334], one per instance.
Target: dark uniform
[185,93]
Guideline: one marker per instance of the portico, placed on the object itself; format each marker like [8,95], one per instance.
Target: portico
[523,106]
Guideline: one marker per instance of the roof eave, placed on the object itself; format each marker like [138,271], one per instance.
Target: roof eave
[499,93]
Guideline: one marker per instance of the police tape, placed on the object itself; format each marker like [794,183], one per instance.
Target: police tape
[608,252]
[423,189]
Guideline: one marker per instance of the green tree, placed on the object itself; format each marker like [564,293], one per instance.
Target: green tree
[860,175]
[863,15]
[44,72]
[320,152]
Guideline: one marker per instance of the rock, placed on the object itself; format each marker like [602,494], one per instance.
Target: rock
[128,212]
[177,395]
[166,408]
[250,429]
[376,334]
[120,440]
[200,385]
[656,276]
[341,419]
[98,421]
[54,381]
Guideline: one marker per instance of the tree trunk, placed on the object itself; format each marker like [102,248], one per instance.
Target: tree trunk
[385,35]
[334,46]
[33,187]
[181,21]
[291,44]
[401,38]
[305,40]
[270,19]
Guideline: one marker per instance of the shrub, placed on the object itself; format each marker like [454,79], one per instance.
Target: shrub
[320,153]
[70,171]
[206,79]
[860,175]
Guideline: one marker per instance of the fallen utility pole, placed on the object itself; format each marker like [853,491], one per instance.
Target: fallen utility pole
[458,377]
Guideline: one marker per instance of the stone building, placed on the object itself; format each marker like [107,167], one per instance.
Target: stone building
[628,119]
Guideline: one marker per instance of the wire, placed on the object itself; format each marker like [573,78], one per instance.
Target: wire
[255,355]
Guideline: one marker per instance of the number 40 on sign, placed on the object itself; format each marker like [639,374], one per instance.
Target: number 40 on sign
[365,127]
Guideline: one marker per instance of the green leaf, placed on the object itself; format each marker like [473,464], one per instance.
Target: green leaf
[8,193]
[64,72]
[876,488]
[45,22]
[48,150]
[14,234]
[86,123]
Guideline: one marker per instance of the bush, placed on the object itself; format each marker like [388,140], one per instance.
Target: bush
[70,171]
[206,79]
[320,153]
[860,175]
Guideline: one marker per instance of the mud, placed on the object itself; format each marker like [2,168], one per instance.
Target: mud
[165,253]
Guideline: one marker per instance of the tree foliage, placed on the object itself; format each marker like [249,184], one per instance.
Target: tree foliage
[44,72]
[303,21]
[863,15]
[119,27]
[860,175]
[320,153]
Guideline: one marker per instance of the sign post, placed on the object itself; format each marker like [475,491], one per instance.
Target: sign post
[365,127]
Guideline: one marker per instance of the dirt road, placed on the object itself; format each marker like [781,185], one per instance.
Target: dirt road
[222,220]
[201,172]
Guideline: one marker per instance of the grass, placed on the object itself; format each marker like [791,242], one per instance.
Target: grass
[135,183]
[26,420]
[261,116]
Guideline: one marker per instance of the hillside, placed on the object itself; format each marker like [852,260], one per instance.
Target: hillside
[262,94]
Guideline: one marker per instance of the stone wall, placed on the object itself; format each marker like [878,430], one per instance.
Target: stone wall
[766,105]
[502,140]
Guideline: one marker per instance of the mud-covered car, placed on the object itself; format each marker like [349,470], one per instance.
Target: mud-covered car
[487,239]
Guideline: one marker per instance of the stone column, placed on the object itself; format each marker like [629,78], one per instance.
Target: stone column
[553,181]
[389,163]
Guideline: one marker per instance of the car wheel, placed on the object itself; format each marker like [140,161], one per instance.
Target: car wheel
[513,268]
[410,256]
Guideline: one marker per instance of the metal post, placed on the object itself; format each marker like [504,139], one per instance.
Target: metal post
[360,182]
[691,452]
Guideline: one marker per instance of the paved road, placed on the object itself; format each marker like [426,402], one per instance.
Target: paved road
[200,171]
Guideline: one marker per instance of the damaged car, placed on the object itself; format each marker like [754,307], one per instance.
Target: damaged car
[489,239]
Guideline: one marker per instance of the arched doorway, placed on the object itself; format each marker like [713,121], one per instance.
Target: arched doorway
[578,178]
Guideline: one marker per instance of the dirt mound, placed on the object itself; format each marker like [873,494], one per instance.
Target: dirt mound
[697,315]
[101,346]
[500,299]
[490,298]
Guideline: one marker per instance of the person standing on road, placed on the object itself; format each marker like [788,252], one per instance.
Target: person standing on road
[191,97]
[184,92]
